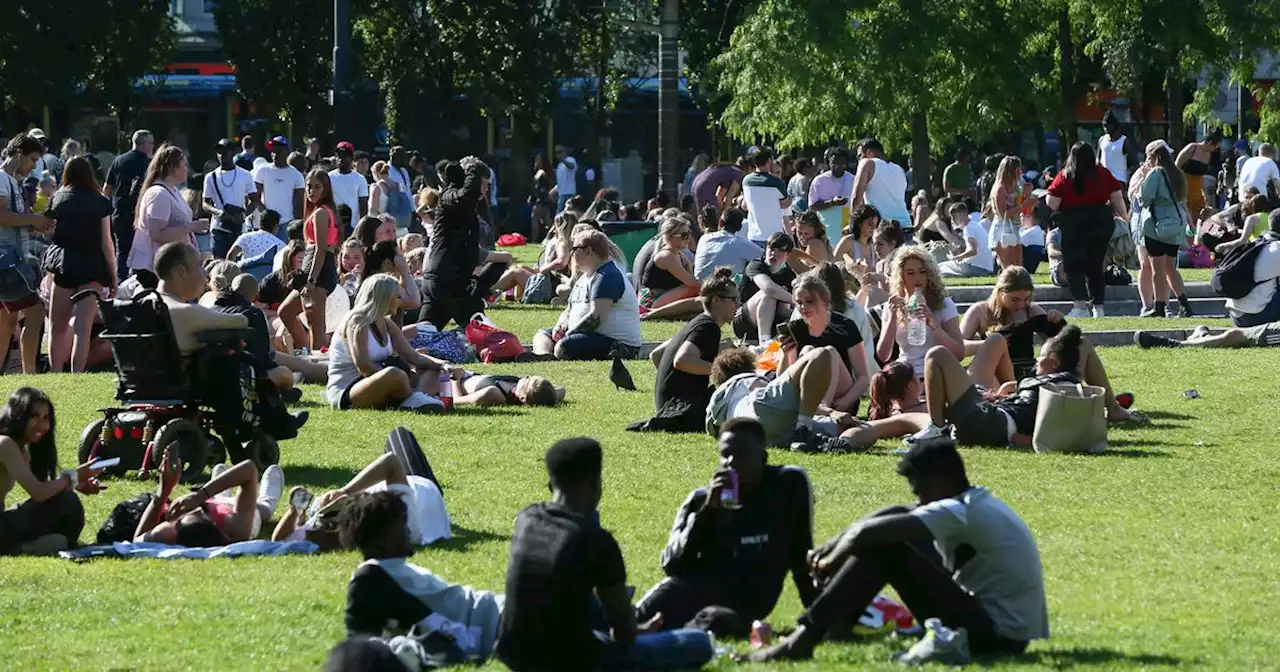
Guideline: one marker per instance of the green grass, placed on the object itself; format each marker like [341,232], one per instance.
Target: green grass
[1159,554]
[1042,279]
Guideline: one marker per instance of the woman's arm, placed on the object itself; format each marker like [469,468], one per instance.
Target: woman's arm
[109,252]
[861,378]
[15,464]
[1002,197]
[410,297]
[160,231]
[771,288]
[400,345]
[844,249]
[948,336]
[375,199]
[322,224]
[670,262]
[360,354]
[234,253]
[889,328]
[1118,207]
[974,322]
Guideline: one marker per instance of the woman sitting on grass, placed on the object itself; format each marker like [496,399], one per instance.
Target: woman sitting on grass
[1010,312]
[668,277]
[897,409]
[914,270]
[52,517]
[371,364]
[212,515]
[385,257]
[856,243]
[811,236]
[873,281]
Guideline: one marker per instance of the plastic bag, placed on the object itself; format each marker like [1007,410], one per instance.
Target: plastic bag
[771,359]
[512,240]
[884,615]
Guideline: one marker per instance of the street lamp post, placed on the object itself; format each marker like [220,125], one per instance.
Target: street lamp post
[341,54]
[668,97]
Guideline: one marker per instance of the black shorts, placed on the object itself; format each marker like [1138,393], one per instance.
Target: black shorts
[1156,248]
[744,323]
[344,402]
[978,422]
[328,278]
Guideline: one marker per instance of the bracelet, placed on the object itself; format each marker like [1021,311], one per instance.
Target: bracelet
[72,477]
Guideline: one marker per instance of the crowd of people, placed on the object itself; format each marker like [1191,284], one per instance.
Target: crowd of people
[832,283]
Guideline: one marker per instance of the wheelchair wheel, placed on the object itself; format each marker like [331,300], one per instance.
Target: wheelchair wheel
[217,453]
[187,442]
[263,450]
[127,448]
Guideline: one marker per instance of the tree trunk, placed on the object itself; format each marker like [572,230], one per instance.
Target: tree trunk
[920,152]
[519,181]
[1176,104]
[1066,80]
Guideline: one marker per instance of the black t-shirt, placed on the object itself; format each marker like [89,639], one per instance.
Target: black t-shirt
[672,383]
[127,168]
[79,215]
[259,343]
[1022,340]
[558,557]
[748,552]
[784,277]
[840,334]
[1022,404]
[375,602]
[273,291]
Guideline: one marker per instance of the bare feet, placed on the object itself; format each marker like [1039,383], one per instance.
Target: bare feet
[796,646]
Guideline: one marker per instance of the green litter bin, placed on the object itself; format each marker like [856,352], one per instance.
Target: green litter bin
[630,236]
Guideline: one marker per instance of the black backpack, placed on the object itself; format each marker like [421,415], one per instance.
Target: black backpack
[1232,276]
[123,521]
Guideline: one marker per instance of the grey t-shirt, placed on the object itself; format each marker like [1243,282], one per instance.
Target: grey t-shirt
[1004,572]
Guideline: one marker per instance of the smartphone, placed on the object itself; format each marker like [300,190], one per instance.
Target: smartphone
[100,465]
[784,329]
[300,500]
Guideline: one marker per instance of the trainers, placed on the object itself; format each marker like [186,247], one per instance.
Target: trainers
[836,445]
[1184,310]
[1147,340]
[805,440]
[1147,312]
[422,403]
[930,435]
[1098,311]
[1200,331]
[939,645]
[270,490]
[1077,313]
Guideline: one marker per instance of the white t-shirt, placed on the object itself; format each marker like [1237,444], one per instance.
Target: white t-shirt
[887,191]
[348,189]
[1031,236]
[255,243]
[1112,156]
[223,194]
[278,185]
[983,259]
[1003,570]
[1257,172]
[567,177]
[914,354]
[1266,271]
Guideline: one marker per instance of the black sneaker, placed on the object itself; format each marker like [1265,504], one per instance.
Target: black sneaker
[805,440]
[1184,310]
[836,445]
[1146,340]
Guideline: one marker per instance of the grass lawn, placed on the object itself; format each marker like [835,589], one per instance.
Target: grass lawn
[1161,553]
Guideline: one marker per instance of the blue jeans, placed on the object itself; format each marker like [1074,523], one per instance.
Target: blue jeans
[1032,255]
[222,242]
[1271,313]
[583,345]
[686,649]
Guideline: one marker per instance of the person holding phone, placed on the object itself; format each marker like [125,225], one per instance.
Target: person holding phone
[211,515]
[820,327]
[737,558]
[52,517]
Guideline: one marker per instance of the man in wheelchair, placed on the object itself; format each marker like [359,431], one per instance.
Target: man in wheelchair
[203,334]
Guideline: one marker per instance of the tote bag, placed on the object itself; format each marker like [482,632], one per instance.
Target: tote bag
[1071,419]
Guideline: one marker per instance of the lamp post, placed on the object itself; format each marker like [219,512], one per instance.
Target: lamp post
[668,97]
[341,54]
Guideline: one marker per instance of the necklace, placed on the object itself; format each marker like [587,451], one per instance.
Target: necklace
[223,174]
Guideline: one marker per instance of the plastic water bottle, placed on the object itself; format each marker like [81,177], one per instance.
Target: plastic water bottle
[446,391]
[917,328]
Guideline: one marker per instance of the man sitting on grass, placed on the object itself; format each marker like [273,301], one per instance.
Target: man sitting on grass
[736,556]
[984,577]
[562,561]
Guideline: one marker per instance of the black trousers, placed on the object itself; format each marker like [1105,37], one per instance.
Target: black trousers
[122,231]
[679,599]
[60,514]
[443,300]
[916,572]
[1084,255]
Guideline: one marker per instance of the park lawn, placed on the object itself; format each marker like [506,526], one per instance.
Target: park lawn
[1161,553]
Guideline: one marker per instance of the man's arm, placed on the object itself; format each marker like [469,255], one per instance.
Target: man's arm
[195,318]
[298,205]
[591,321]
[690,361]
[771,288]
[693,534]
[866,170]
[800,504]
[872,533]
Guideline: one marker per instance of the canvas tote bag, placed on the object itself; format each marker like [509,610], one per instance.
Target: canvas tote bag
[1071,419]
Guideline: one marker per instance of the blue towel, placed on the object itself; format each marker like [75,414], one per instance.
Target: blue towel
[169,552]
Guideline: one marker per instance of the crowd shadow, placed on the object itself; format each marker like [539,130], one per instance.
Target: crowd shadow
[463,538]
[1080,656]
[316,477]
[1131,452]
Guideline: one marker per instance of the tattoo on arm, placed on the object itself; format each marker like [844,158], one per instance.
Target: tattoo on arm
[587,324]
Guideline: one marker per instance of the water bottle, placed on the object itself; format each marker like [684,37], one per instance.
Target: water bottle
[446,391]
[917,328]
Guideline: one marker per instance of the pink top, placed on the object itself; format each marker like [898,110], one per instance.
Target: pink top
[218,512]
[309,228]
[161,203]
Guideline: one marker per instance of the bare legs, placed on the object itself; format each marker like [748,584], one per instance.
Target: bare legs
[289,311]
[812,375]
[676,310]
[991,364]
[945,381]
[71,325]
[903,424]
[763,309]
[29,341]
[387,387]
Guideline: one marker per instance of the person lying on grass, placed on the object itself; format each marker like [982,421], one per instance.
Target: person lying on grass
[1262,336]
[425,514]
[565,569]
[736,554]
[211,516]
[503,390]
[981,572]
[52,517]
[389,595]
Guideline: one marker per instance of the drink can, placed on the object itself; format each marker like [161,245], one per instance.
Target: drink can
[446,391]
[761,635]
[729,495]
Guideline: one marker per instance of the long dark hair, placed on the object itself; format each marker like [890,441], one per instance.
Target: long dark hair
[326,198]
[13,423]
[1081,165]
[834,279]
[375,256]
[78,175]
[888,384]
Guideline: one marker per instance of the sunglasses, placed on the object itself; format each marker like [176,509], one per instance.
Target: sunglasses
[682,234]
[578,248]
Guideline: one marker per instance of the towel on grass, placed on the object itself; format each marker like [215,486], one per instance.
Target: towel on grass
[169,552]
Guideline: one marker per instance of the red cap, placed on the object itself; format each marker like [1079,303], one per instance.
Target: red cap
[345,146]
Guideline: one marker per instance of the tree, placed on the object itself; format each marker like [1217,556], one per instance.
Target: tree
[401,50]
[835,69]
[1237,31]
[613,54]
[283,54]
[120,59]
[44,57]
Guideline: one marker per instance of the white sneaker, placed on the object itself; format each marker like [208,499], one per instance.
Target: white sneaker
[1099,312]
[419,401]
[270,490]
[1077,313]
[1200,331]
[930,435]
[218,470]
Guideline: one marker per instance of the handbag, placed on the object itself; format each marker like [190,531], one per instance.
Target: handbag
[232,218]
[17,277]
[492,344]
[1071,419]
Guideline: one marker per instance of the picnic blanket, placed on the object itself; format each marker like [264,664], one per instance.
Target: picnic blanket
[127,549]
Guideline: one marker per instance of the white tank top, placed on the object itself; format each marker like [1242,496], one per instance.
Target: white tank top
[887,192]
[1111,152]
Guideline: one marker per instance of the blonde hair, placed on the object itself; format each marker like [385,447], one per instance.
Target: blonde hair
[71,149]
[380,168]
[222,274]
[1012,279]
[669,226]
[373,302]
[934,290]
[542,392]
[428,197]
[1007,172]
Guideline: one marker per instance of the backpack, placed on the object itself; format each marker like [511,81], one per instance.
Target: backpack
[539,289]
[124,518]
[1232,278]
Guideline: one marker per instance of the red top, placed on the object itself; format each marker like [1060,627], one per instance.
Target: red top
[309,227]
[1098,188]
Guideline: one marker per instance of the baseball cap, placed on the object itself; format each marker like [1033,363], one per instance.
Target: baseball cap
[36,133]
[278,141]
[224,143]
[1242,144]
[32,182]
[345,146]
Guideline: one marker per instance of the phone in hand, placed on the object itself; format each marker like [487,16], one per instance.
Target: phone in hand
[300,499]
[784,331]
[100,465]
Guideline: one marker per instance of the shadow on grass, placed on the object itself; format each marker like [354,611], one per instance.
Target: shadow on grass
[463,538]
[1068,658]
[1167,415]
[1132,452]
[317,478]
